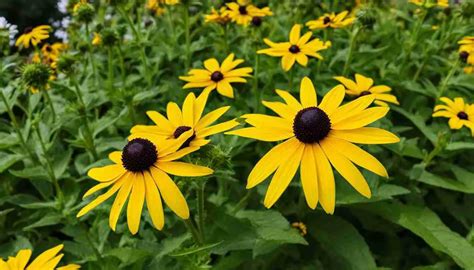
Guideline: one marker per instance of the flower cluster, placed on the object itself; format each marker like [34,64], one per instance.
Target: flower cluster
[466,53]
[241,12]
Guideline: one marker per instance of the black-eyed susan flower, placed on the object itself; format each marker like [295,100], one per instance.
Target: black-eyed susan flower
[47,260]
[189,118]
[331,20]
[154,7]
[218,76]
[140,174]
[169,2]
[33,36]
[243,14]
[469,70]
[96,39]
[316,136]
[363,86]
[431,3]
[297,49]
[466,49]
[217,16]
[459,113]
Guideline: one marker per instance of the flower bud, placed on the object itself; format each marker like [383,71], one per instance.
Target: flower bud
[35,75]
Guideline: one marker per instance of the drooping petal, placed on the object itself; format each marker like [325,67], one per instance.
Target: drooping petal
[120,200]
[170,193]
[135,204]
[326,184]
[183,169]
[309,177]
[153,202]
[224,88]
[102,198]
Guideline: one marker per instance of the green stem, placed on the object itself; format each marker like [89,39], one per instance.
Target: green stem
[351,50]
[89,138]
[50,102]
[110,73]
[122,65]
[49,168]
[200,208]
[16,127]
[444,84]
[91,59]
[193,230]
[187,37]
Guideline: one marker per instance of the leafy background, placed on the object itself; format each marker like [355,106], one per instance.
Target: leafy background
[420,218]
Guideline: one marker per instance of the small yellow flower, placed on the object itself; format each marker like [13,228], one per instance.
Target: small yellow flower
[469,70]
[300,226]
[217,16]
[78,5]
[154,7]
[297,49]
[431,3]
[466,49]
[459,113]
[189,118]
[140,175]
[97,39]
[169,2]
[216,76]
[243,14]
[46,260]
[33,36]
[363,86]
[331,20]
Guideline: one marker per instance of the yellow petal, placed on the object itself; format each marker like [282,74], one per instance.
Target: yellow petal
[224,88]
[184,169]
[281,109]
[308,96]
[295,34]
[350,109]
[211,117]
[366,135]
[174,114]
[267,121]
[179,154]
[287,61]
[348,83]
[188,110]
[283,175]
[153,202]
[161,121]
[263,134]
[97,187]
[135,203]
[199,105]
[44,257]
[170,193]
[121,199]
[102,198]
[211,65]
[116,157]
[22,257]
[326,184]
[289,100]
[363,82]
[217,128]
[362,118]
[332,99]
[309,177]
[106,173]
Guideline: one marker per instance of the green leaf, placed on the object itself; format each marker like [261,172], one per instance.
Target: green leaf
[340,239]
[37,172]
[190,251]
[419,122]
[48,220]
[418,173]
[459,146]
[7,160]
[427,225]
[7,140]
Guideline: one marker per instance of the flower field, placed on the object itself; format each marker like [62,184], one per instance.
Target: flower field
[181,134]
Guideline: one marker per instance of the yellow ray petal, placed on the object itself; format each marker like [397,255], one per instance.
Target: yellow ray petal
[350,109]
[287,61]
[199,105]
[97,187]
[179,154]
[362,118]
[44,257]
[363,82]
[217,128]
[188,110]
[224,88]
[106,173]
[326,184]
[170,193]
[308,96]
[174,114]
[23,257]
[153,202]
[265,121]
[211,65]
[102,198]
[332,99]
[295,34]
[211,117]
[116,157]
[289,100]
[348,83]
[135,204]
[161,121]
[366,135]
[184,169]
[121,199]
[262,134]
[281,109]
[283,175]
[309,177]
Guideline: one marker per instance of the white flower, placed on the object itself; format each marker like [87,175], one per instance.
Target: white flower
[65,22]
[62,6]
[11,28]
[61,34]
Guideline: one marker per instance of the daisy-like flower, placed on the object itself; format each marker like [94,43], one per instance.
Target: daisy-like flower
[33,36]
[96,39]
[45,261]
[10,29]
[243,14]
[469,70]
[363,86]
[431,3]
[466,49]
[331,20]
[189,118]
[216,76]
[140,174]
[459,113]
[297,49]
[169,2]
[316,136]
[155,7]
[217,16]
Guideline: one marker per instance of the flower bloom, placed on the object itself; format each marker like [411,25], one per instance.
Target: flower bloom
[46,260]
[316,136]
[459,113]
[363,86]
[216,76]
[189,118]
[97,39]
[331,20]
[217,16]
[431,3]
[466,49]
[33,36]
[140,174]
[11,29]
[155,7]
[297,49]
[243,14]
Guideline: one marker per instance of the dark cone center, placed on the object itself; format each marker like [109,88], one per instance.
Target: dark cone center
[463,116]
[180,130]
[217,76]
[294,49]
[326,20]
[27,30]
[139,155]
[243,10]
[256,21]
[311,125]
[463,56]
[364,93]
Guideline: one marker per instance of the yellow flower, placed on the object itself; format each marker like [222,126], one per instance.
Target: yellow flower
[216,76]
[466,49]
[363,86]
[243,14]
[46,260]
[469,70]
[459,113]
[140,173]
[331,20]
[169,2]
[301,227]
[316,136]
[97,39]
[217,16]
[154,7]
[189,118]
[78,5]
[33,36]
[431,3]
[297,49]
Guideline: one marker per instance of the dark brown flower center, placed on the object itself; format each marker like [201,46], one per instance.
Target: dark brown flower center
[326,20]
[463,56]
[243,10]
[294,49]
[256,21]
[217,76]
[463,116]
[311,125]
[27,30]
[364,93]
[139,155]
[180,130]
